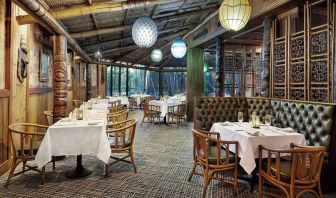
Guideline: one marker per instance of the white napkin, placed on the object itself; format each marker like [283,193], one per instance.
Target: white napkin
[253,132]
[226,123]
[287,130]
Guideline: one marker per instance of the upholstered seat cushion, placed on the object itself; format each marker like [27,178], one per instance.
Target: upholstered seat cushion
[212,155]
[112,142]
[285,169]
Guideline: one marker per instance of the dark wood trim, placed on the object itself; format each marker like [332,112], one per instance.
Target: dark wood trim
[40,90]
[4,93]
[8,40]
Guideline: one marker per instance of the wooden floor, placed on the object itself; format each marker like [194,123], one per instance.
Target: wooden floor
[163,155]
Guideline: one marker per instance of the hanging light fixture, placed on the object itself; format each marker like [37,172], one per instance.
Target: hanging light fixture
[234,14]
[156,55]
[98,55]
[144,32]
[178,48]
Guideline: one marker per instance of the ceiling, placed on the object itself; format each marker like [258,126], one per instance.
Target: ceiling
[173,20]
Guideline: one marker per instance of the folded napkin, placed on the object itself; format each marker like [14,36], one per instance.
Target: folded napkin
[61,123]
[226,123]
[253,132]
[287,130]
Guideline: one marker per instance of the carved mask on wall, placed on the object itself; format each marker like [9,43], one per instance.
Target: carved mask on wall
[22,61]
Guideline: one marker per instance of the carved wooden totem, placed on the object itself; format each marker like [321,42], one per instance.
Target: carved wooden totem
[219,67]
[266,56]
[60,83]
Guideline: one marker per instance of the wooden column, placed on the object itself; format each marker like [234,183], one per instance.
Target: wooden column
[60,83]
[219,66]
[266,57]
[127,78]
[195,64]
[88,81]
[160,84]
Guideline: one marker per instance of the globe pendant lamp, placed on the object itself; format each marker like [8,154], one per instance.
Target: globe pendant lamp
[156,55]
[98,55]
[234,14]
[144,32]
[178,48]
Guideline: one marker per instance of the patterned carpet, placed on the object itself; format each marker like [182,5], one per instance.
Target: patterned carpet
[163,156]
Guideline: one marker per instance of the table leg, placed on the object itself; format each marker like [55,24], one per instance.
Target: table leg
[254,180]
[80,171]
[165,120]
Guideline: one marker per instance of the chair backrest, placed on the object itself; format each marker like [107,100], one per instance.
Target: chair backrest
[117,109]
[115,103]
[122,133]
[26,139]
[77,103]
[203,142]
[117,117]
[151,108]
[50,117]
[306,164]
[132,101]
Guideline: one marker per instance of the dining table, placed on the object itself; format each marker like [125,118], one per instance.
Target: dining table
[164,104]
[123,99]
[250,138]
[139,97]
[70,136]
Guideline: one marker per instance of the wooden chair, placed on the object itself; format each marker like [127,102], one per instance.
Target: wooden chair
[117,109]
[121,138]
[151,112]
[77,103]
[49,116]
[146,100]
[132,104]
[117,117]
[177,112]
[115,103]
[213,156]
[294,177]
[26,139]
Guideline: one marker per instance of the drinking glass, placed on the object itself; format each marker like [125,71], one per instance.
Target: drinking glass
[268,120]
[240,117]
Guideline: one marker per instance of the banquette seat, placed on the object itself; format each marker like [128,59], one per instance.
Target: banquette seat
[316,121]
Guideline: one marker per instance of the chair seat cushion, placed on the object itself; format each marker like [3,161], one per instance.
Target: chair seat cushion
[285,169]
[212,155]
[112,142]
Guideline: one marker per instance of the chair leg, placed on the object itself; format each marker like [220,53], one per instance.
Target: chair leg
[260,186]
[235,187]
[205,181]
[142,120]
[192,172]
[132,159]
[43,175]
[159,120]
[105,170]
[24,166]
[11,173]
[319,189]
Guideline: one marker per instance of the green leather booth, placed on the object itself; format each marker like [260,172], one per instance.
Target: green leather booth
[316,121]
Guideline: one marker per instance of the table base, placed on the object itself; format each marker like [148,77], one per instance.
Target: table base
[80,171]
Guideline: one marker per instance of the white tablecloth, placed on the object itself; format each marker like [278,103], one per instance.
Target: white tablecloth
[248,145]
[123,99]
[75,138]
[177,98]
[164,105]
[139,97]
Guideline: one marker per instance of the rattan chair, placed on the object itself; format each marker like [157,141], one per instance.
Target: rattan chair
[117,117]
[294,177]
[26,139]
[151,112]
[49,116]
[213,156]
[132,104]
[146,100]
[121,138]
[177,112]
[117,109]
[115,103]
[77,103]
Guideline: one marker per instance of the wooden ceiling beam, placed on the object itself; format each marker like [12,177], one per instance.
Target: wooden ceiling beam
[39,12]
[123,28]
[94,9]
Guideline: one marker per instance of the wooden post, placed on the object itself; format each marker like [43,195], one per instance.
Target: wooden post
[127,79]
[160,84]
[60,77]
[88,81]
[266,55]
[195,64]
[219,66]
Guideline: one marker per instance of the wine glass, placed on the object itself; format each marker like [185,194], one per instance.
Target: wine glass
[240,117]
[268,120]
